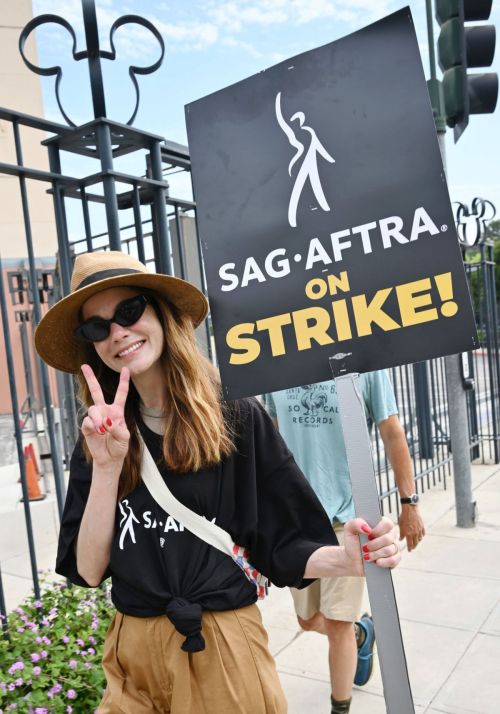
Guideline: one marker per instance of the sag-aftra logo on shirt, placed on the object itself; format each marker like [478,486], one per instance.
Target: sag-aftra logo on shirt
[128,519]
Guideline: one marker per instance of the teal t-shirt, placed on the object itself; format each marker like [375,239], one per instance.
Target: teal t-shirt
[309,421]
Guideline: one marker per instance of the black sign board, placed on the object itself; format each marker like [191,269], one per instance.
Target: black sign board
[324,216]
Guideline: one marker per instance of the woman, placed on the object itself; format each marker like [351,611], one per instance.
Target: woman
[187,637]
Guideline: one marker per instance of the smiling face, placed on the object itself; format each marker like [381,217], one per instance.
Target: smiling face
[139,346]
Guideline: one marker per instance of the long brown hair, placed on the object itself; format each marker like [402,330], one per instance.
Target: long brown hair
[197,428]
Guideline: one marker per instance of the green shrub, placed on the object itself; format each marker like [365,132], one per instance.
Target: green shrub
[52,662]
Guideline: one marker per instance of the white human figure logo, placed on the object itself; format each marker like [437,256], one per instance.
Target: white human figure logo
[309,167]
[127,521]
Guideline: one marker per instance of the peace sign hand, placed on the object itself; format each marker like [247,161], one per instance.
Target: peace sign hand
[104,427]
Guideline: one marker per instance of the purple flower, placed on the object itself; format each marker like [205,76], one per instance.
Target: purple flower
[37,671]
[73,664]
[55,690]
[71,694]
[43,654]
[19,682]
[35,657]
[20,629]
[91,650]
[46,640]
[41,710]
[37,604]
[17,665]
[11,687]
[88,665]
[38,640]
[92,640]
[65,639]
[45,621]
[69,709]
[80,642]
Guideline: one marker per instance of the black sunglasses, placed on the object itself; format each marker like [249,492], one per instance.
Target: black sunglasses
[128,312]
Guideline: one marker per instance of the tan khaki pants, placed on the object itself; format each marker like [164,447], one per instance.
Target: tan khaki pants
[146,670]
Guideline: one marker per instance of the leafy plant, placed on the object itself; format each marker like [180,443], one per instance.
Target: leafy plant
[52,662]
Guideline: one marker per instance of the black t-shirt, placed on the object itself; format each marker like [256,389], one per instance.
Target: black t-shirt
[257,494]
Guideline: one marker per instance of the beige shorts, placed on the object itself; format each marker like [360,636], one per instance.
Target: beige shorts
[148,673]
[335,598]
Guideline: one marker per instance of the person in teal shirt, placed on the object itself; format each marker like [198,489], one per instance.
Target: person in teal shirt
[309,421]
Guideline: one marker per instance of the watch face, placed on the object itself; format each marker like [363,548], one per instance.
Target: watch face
[411,500]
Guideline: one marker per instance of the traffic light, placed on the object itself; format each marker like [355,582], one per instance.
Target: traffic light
[459,48]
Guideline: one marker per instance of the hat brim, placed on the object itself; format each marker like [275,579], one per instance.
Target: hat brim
[55,340]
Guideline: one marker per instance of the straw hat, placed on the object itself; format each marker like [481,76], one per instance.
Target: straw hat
[93,272]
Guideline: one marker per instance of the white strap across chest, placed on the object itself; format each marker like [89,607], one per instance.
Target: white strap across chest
[198,525]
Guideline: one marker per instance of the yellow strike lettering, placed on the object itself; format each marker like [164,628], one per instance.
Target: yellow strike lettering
[305,332]
[237,339]
[316,289]
[340,282]
[274,326]
[445,289]
[342,323]
[366,314]
[409,302]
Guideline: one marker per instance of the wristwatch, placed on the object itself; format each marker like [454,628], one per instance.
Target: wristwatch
[411,500]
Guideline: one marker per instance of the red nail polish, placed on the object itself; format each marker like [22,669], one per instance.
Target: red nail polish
[365,549]
[109,422]
[366,556]
[366,529]
[371,537]
[102,430]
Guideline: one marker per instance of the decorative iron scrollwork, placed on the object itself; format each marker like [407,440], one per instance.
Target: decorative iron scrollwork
[471,222]
[93,54]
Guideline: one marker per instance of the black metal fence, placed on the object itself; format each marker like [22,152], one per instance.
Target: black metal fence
[142,217]
[421,388]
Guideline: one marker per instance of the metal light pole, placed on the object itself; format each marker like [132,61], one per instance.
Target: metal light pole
[457,404]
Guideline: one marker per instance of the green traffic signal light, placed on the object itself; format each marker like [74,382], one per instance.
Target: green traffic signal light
[446,9]
[450,44]
[460,48]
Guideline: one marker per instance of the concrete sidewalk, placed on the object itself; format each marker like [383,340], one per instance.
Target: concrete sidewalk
[448,595]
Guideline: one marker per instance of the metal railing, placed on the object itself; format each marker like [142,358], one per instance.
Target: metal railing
[162,233]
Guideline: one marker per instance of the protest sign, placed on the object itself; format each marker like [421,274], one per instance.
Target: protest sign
[324,216]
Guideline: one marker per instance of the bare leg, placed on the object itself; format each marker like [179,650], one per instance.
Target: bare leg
[343,652]
[342,657]
[315,624]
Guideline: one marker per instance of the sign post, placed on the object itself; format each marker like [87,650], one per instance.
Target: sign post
[329,242]
[397,691]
